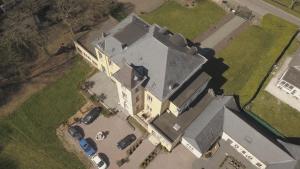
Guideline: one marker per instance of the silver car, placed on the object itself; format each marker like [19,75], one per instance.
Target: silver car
[99,162]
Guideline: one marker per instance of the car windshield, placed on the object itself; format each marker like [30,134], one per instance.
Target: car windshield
[100,164]
[86,146]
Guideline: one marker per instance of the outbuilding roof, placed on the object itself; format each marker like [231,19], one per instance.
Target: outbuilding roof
[292,76]
[223,110]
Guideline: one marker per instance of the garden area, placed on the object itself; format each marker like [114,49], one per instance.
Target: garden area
[190,22]
[28,138]
[287,6]
[249,57]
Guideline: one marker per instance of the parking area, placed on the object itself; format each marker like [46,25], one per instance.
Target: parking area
[179,158]
[116,129]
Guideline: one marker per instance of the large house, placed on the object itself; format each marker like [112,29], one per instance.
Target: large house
[161,83]
[289,82]
[148,64]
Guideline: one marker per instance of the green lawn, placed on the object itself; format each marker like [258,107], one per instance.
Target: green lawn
[249,57]
[278,114]
[28,135]
[188,21]
[284,5]
[251,54]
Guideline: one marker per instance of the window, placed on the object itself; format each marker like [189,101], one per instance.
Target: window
[293,92]
[79,50]
[149,108]
[149,98]
[124,95]
[258,164]
[282,83]
[100,54]
[286,85]
[137,99]
[109,62]
[291,87]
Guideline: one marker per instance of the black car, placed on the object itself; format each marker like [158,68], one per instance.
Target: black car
[91,115]
[75,132]
[126,141]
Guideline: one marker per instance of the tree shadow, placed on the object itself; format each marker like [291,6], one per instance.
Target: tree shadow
[8,162]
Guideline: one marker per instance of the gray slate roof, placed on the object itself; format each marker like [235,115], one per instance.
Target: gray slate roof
[224,110]
[190,89]
[128,76]
[165,122]
[167,58]
[293,76]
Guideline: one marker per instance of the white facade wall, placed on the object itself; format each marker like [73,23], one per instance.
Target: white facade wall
[87,56]
[187,145]
[125,98]
[174,109]
[137,99]
[250,157]
[289,88]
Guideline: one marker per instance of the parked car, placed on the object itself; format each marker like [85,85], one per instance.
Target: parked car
[99,162]
[86,147]
[126,141]
[91,115]
[75,132]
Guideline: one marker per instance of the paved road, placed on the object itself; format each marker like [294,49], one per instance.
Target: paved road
[223,32]
[261,7]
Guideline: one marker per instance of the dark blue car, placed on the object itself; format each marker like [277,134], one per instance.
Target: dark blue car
[87,148]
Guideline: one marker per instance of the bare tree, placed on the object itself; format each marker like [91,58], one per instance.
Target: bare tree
[68,11]
[293,3]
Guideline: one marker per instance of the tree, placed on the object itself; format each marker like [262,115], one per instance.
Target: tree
[99,9]
[293,3]
[69,10]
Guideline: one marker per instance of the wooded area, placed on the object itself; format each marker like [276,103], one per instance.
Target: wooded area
[25,27]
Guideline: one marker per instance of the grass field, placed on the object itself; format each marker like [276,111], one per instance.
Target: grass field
[278,114]
[27,137]
[188,21]
[252,53]
[284,5]
[249,57]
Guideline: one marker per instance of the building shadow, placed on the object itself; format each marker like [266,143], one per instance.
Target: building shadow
[215,67]
[6,162]
[293,140]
